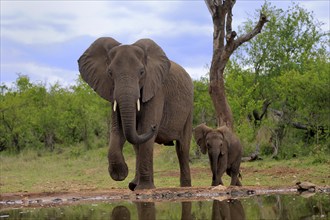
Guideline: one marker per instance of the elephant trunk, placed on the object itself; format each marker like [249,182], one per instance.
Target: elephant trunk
[214,168]
[128,106]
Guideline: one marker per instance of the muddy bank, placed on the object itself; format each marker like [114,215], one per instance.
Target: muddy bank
[154,195]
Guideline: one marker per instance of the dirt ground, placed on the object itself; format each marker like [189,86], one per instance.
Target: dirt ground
[14,200]
[76,194]
[152,195]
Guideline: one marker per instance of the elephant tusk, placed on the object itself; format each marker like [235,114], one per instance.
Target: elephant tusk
[138,105]
[114,106]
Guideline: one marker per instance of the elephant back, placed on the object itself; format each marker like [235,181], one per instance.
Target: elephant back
[179,85]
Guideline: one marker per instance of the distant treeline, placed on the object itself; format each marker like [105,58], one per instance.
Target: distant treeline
[34,116]
[278,87]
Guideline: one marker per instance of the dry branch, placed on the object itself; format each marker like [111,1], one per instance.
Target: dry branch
[221,12]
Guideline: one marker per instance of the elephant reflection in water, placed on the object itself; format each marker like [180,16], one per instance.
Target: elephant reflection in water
[120,213]
[147,211]
[230,209]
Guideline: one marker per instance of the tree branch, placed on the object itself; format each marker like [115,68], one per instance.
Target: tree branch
[229,19]
[221,12]
[257,29]
[212,5]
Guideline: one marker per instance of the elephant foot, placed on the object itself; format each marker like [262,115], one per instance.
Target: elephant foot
[145,186]
[132,186]
[185,183]
[118,171]
[215,183]
[238,183]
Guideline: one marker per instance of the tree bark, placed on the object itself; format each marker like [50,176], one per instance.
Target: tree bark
[221,12]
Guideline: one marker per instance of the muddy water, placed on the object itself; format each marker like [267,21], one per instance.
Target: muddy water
[291,206]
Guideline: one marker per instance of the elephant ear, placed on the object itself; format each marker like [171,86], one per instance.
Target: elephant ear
[227,136]
[200,133]
[93,65]
[157,66]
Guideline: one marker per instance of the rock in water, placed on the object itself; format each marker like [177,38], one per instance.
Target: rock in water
[304,186]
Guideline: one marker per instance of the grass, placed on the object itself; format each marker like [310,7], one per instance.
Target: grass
[74,170]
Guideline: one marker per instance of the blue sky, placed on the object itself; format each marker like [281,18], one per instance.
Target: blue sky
[44,39]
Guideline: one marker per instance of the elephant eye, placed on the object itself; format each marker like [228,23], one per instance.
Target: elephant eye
[208,145]
[141,72]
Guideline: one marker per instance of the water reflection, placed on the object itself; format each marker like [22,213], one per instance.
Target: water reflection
[227,209]
[255,207]
[230,209]
[147,211]
[120,213]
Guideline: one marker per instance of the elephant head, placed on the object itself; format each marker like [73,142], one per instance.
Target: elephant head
[124,75]
[215,142]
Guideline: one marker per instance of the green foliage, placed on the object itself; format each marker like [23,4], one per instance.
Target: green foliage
[34,116]
[288,65]
[203,107]
[306,95]
[240,87]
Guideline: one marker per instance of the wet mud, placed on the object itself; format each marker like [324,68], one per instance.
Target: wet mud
[11,200]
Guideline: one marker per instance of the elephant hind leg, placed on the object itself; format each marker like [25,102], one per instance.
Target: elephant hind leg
[234,177]
[183,156]
[182,149]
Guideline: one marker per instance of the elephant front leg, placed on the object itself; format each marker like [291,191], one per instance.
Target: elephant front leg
[215,182]
[214,169]
[217,169]
[144,163]
[132,185]
[219,176]
[118,169]
[222,167]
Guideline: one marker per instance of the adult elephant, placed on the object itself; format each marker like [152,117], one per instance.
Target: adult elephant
[152,100]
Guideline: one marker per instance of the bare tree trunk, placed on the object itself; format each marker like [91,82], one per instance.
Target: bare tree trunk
[49,140]
[221,12]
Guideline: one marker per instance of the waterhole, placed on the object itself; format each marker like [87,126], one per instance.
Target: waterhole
[283,206]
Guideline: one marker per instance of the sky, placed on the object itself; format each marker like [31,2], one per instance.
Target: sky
[44,39]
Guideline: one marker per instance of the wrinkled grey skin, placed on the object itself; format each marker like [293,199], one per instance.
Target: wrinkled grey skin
[127,74]
[224,150]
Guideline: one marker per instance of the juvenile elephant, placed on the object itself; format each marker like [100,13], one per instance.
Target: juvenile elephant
[224,150]
[152,101]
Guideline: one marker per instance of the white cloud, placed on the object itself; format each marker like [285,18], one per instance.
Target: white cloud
[49,22]
[321,15]
[37,72]
[57,21]
[196,72]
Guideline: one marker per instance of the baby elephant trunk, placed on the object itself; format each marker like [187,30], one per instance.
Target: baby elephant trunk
[214,159]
